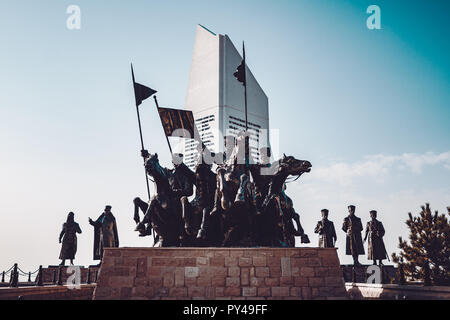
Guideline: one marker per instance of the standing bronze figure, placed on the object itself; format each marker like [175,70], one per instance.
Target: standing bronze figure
[105,233]
[353,227]
[68,237]
[375,232]
[326,231]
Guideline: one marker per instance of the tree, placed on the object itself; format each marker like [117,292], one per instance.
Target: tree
[427,256]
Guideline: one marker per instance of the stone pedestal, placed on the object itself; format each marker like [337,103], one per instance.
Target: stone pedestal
[220,273]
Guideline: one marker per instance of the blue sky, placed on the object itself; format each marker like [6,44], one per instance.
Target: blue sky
[369,108]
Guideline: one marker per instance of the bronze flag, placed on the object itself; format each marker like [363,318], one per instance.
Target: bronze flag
[173,119]
[141,92]
[240,73]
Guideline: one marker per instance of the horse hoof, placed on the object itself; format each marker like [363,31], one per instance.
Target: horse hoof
[201,235]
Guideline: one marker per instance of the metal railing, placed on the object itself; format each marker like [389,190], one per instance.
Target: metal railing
[14,273]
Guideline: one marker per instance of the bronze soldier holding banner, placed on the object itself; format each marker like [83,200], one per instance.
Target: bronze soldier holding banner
[353,227]
[375,232]
[105,233]
[326,231]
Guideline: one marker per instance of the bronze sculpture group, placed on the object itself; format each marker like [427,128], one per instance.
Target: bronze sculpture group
[239,205]
[242,203]
[105,235]
[353,227]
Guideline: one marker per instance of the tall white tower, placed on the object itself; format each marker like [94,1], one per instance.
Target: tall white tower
[216,98]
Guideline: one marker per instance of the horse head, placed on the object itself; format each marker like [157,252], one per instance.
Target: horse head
[292,166]
[153,167]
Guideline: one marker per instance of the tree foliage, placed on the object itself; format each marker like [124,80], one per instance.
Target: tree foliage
[426,256]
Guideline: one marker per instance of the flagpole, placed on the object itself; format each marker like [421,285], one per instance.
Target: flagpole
[140,134]
[245,87]
[247,138]
[167,138]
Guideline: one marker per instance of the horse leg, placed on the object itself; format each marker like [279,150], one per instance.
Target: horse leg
[203,231]
[148,229]
[153,217]
[298,230]
[271,224]
[221,201]
[186,211]
[136,217]
[141,205]
[224,190]
[242,190]
[180,223]
[216,207]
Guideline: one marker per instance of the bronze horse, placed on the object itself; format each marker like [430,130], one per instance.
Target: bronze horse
[233,204]
[195,214]
[163,212]
[275,221]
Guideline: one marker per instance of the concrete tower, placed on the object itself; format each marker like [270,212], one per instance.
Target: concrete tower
[216,98]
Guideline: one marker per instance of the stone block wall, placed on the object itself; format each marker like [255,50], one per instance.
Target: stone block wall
[220,273]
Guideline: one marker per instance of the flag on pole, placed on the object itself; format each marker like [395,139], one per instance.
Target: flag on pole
[240,73]
[173,119]
[141,92]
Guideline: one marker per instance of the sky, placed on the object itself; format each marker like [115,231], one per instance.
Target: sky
[369,108]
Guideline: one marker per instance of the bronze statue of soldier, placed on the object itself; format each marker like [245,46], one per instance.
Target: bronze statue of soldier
[326,231]
[195,213]
[375,232]
[353,227]
[262,174]
[229,142]
[163,213]
[105,233]
[181,182]
[68,237]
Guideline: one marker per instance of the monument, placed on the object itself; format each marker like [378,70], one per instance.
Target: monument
[236,237]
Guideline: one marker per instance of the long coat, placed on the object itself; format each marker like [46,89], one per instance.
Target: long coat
[105,234]
[327,234]
[376,249]
[69,242]
[353,227]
